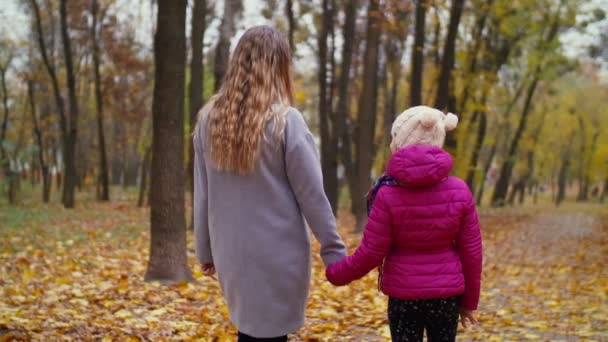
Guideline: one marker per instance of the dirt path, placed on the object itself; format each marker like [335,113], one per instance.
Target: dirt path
[545,278]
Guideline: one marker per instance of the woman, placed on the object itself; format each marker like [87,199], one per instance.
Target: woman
[256,173]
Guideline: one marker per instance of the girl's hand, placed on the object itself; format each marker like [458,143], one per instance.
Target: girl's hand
[467,315]
[209,270]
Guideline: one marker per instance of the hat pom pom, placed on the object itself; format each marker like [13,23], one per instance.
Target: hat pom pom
[451,121]
[428,119]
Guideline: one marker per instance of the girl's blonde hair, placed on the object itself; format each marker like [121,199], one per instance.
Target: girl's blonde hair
[257,88]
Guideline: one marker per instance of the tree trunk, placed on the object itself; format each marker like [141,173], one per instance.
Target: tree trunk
[472,57]
[342,111]
[3,128]
[442,101]
[197,75]
[366,116]
[587,175]
[4,155]
[232,9]
[520,186]
[390,107]
[143,182]
[44,168]
[70,139]
[581,159]
[481,134]
[168,262]
[14,174]
[437,36]
[118,148]
[103,179]
[418,55]
[604,190]
[528,178]
[486,169]
[291,25]
[563,173]
[502,185]
[329,159]
[50,68]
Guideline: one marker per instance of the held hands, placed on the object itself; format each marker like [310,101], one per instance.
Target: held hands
[209,270]
[467,315]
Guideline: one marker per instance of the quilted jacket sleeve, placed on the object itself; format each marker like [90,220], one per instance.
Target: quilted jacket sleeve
[468,244]
[376,243]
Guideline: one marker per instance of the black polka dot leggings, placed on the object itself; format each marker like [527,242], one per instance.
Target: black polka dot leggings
[409,318]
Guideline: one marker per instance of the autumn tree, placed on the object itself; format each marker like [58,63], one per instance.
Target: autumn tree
[7,58]
[168,262]
[103,180]
[70,125]
[366,113]
[232,11]
[444,99]
[342,123]
[417,65]
[329,139]
[42,159]
[544,44]
[200,13]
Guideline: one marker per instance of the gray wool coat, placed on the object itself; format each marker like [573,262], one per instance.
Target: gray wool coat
[252,229]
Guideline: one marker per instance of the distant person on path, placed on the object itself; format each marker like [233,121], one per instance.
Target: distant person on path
[256,173]
[423,232]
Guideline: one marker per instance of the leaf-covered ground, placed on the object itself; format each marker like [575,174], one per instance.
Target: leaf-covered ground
[77,275]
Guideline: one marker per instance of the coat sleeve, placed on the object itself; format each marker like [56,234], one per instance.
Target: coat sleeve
[468,244]
[200,207]
[306,180]
[376,243]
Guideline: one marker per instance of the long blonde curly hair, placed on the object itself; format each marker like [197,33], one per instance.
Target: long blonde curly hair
[257,88]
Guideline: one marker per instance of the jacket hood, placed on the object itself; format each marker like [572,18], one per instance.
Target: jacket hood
[420,165]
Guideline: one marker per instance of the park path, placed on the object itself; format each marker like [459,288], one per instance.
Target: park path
[75,274]
[545,277]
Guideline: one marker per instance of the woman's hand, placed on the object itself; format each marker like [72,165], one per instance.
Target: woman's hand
[467,315]
[208,270]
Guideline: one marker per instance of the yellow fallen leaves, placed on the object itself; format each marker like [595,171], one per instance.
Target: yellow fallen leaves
[78,275]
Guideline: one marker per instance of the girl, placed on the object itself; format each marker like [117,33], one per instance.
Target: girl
[256,173]
[423,226]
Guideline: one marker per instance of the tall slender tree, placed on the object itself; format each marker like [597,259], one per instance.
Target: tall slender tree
[198,26]
[168,262]
[42,161]
[291,25]
[342,110]
[417,68]
[4,155]
[71,136]
[329,144]
[366,115]
[506,171]
[47,57]
[232,11]
[443,98]
[95,32]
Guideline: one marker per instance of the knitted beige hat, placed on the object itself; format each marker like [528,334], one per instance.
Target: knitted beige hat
[421,125]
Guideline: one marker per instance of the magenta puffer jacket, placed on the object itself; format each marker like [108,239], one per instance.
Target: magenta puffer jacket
[426,231]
